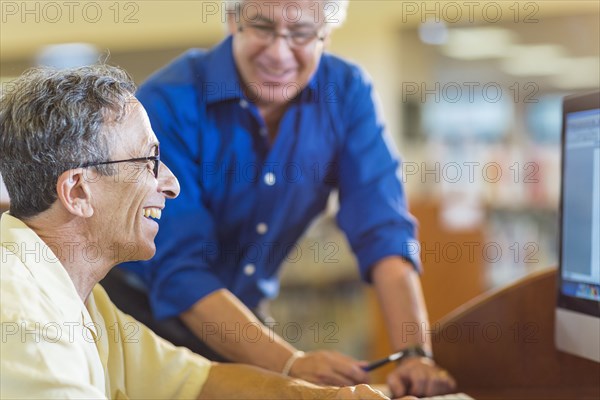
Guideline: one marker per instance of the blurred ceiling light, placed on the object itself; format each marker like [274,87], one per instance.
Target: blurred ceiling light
[67,55]
[534,60]
[579,73]
[433,32]
[478,43]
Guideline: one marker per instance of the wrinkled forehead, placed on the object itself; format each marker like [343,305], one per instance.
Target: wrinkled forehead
[287,12]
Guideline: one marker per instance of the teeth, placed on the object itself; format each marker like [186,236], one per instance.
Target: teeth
[152,212]
[276,72]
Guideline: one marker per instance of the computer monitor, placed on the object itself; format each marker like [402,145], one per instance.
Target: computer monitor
[578,305]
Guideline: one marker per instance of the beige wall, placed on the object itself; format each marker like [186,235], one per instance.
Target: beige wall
[150,32]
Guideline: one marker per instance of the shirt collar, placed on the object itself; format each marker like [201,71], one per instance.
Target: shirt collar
[222,72]
[312,85]
[41,261]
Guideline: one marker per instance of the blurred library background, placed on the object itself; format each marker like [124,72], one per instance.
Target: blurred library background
[471,93]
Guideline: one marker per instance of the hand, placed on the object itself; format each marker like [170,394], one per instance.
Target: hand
[420,376]
[326,367]
[364,392]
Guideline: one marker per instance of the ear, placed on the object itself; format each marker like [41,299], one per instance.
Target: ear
[327,40]
[232,21]
[74,192]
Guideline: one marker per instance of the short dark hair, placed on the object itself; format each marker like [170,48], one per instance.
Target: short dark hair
[52,120]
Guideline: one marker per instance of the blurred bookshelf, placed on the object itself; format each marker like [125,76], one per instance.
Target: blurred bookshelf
[322,303]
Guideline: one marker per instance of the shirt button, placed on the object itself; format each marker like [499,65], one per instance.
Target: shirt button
[243,103]
[269,178]
[262,228]
[249,269]
[263,131]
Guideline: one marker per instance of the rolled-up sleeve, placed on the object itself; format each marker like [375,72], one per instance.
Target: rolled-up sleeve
[373,208]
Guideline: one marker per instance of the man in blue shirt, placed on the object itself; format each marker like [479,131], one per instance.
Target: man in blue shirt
[259,130]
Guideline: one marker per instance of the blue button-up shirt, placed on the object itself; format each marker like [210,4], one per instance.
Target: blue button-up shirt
[245,201]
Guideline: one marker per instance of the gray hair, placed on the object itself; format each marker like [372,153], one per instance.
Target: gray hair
[52,121]
[335,10]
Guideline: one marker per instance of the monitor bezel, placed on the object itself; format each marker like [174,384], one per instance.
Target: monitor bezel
[573,103]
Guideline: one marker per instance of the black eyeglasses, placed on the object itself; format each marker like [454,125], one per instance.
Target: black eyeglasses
[267,34]
[155,159]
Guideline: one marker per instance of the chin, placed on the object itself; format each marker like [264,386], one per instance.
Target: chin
[146,254]
[142,252]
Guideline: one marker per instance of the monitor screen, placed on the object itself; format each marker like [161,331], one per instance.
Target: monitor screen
[579,277]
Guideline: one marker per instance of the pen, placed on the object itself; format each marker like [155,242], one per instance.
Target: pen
[383,361]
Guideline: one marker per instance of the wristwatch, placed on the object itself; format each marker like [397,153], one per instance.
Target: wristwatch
[414,351]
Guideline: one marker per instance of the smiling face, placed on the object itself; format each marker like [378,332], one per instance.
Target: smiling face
[128,203]
[273,72]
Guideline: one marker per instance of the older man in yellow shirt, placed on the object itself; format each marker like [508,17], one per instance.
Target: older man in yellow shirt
[82,167]
[54,345]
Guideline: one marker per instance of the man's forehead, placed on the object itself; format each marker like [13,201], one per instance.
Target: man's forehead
[284,11]
[134,133]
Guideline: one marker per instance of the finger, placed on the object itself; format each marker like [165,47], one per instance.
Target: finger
[396,385]
[418,385]
[434,386]
[326,374]
[451,383]
[353,372]
[320,367]
[442,382]
[335,379]
[348,367]
[417,382]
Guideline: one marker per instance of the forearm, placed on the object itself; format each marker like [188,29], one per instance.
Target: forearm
[234,381]
[225,324]
[399,291]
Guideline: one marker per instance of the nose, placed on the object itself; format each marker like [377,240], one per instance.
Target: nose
[167,182]
[280,49]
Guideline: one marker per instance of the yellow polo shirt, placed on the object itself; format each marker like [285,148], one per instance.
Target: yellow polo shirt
[55,346]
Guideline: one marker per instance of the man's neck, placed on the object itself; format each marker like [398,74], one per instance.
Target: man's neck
[85,267]
[272,114]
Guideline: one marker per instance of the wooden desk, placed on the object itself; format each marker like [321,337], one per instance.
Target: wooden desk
[500,345]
